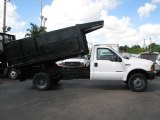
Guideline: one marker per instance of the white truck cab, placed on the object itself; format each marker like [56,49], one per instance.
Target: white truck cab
[107,64]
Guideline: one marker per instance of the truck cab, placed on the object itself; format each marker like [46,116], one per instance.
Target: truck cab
[107,64]
[4,68]
[4,38]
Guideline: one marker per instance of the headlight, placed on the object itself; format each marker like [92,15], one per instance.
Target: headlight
[152,68]
[61,64]
[82,65]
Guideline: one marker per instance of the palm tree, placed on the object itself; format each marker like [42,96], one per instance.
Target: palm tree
[35,30]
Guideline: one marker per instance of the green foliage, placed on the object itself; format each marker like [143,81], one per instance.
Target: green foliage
[154,47]
[136,49]
[35,30]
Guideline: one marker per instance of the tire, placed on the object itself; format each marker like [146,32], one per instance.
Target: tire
[137,82]
[13,74]
[42,81]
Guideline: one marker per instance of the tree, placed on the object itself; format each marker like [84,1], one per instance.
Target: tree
[124,48]
[134,49]
[153,47]
[35,30]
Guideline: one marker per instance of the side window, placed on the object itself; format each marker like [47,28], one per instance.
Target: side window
[7,38]
[105,54]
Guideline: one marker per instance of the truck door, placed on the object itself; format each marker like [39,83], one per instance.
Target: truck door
[107,65]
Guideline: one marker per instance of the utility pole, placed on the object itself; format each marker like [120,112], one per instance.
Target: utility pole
[144,44]
[5,28]
[151,45]
[4,17]
[43,19]
[41,14]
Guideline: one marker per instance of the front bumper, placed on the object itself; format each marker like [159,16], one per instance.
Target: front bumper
[151,75]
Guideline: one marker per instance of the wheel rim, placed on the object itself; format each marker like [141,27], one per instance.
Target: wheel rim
[41,82]
[138,83]
[13,74]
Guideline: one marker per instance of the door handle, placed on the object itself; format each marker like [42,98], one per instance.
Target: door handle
[95,64]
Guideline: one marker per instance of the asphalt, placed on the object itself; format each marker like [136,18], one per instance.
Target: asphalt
[78,100]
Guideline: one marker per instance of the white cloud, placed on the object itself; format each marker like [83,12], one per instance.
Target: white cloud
[62,13]
[150,31]
[19,35]
[115,31]
[155,1]
[12,18]
[145,10]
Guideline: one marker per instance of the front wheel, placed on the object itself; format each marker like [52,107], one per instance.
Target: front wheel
[137,82]
[13,74]
[42,81]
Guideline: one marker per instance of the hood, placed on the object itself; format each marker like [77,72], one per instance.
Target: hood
[138,62]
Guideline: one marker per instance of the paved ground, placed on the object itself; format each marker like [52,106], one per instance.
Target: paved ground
[78,100]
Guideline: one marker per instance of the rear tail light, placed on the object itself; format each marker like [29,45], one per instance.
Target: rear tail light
[152,68]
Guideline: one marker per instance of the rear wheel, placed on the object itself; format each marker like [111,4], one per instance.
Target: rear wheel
[137,82]
[42,81]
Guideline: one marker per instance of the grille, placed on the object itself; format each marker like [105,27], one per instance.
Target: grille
[72,63]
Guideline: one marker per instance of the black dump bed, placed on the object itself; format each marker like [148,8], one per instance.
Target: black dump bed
[55,45]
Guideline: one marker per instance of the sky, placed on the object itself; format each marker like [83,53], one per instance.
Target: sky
[126,22]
